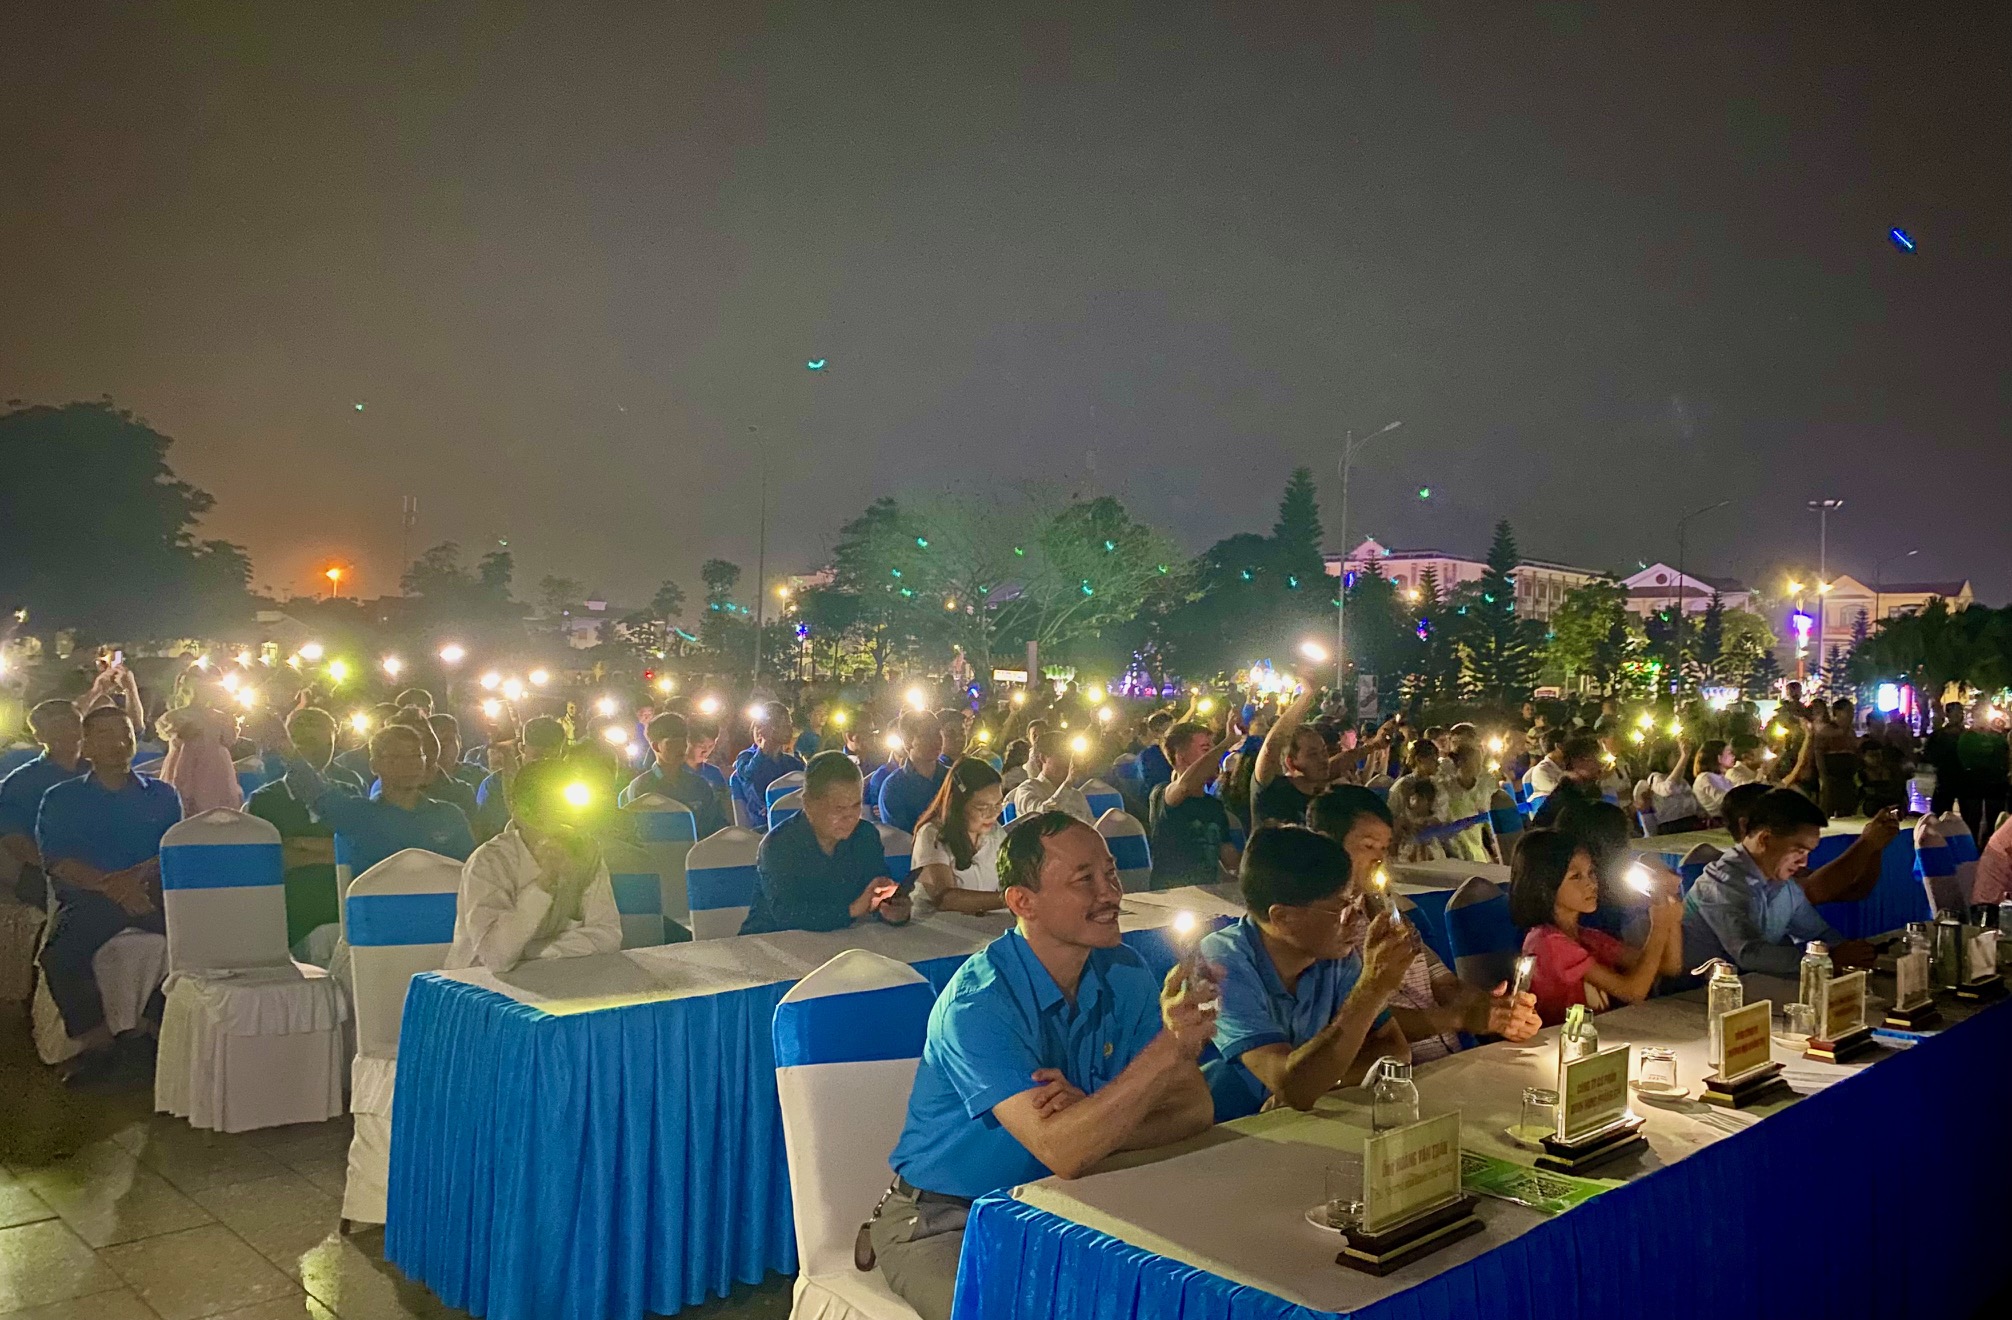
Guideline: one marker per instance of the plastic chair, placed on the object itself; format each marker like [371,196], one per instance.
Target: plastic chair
[779,788]
[782,808]
[248,1039]
[720,879]
[666,829]
[1484,941]
[1102,797]
[1127,841]
[899,846]
[401,915]
[847,1041]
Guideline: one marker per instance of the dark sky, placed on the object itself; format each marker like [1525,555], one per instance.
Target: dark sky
[1607,263]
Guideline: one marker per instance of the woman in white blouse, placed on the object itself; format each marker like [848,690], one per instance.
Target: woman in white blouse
[1712,769]
[955,862]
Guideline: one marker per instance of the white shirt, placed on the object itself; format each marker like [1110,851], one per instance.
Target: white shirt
[1037,795]
[930,850]
[1544,777]
[1013,778]
[1710,789]
[1672,798]
[502,916]
[1742,774]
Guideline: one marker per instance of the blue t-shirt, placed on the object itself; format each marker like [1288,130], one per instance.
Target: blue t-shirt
[683,785]
[1154,767]
[1001,1017]
[875,780]
[1257,1010]
[111,829]
[754,771]
[905,795]
[21,791]
[802,887]
[368,830]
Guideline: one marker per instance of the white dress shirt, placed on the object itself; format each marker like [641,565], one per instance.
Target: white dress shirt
[1710,789]
[1544,778]
[503,916]
[1036,794]
[930,850]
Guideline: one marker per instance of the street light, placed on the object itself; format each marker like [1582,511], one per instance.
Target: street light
[334,576]
[1683,583]
[1879,582]
[1349,447]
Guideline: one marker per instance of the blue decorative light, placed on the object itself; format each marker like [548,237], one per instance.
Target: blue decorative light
[1899,236]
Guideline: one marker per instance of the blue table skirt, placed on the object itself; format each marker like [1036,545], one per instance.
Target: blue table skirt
[600,1165]
[1853,1202]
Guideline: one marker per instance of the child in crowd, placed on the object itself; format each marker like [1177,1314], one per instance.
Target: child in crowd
[1552,884]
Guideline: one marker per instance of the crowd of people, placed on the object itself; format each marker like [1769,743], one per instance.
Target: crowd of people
[1053,1047]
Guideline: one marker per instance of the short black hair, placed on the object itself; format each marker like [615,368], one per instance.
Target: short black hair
[1176,736]
[1335,812]
[1744,743]
[1290,865]
[1784,810]
[542,733]
[668,725]
[829,770]
[1535,872]
[106,713]
[1580,747]
[1738,807]
[1026,847]
[1553,740]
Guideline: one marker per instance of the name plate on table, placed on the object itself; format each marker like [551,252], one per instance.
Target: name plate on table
[1747,1034]
[1844,1006]
[1410,1170]
[1910,979]
[1592,1093]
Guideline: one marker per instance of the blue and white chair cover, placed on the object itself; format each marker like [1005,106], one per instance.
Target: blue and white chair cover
[720,879]
[1936,866]
[400,915]
[249,1039]
[779,788]
[1102,797]
[1695,861]
[847,1041]
[1483,939]
[1006,811]
[639,893]
[782,808]
[1127,841]
[1504,818]
[899,848]
[666,829]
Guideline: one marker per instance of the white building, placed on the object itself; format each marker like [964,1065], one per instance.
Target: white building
[1660,587]
[1540,584]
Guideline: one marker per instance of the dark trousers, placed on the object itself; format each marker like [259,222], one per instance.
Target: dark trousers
[85,919]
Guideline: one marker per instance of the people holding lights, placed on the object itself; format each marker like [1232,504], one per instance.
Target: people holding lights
[907,791]
[1552,884]
[672,776]
[1750,909]
[539,889]
[1292,765]
[1048,786]
[1193,839]
[1050,1049]
[762,763]
[824,868]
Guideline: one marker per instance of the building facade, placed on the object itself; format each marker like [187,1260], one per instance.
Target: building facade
[1540,584]
[1660,587]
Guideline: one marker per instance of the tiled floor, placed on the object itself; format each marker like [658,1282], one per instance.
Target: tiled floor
[110,1212]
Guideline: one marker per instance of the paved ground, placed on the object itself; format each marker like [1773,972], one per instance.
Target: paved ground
[109,1212]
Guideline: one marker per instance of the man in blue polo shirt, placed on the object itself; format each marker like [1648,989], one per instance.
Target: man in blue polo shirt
[762,764]
[907,792]
[1302,1011]
[672,777]
[100,838]
[401,816]
[61,734]
[1050,1049]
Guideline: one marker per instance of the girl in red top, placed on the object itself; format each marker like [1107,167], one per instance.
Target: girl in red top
[1552,884]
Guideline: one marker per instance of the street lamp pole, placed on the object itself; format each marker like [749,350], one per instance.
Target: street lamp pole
[1348,450]
[1822,509]
[1683,583]
[761,559]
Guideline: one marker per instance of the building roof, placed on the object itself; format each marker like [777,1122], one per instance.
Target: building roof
[1946,590]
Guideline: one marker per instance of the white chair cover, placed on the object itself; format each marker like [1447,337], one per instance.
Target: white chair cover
[129,968]
[847,1040]
[1127,840]
[1102,797]
[779,787]
[667,829]
[780,809]
[401,915]
[639,893]
[720,880]
[899,845]
[223,886]
[20,937]
[1936,862]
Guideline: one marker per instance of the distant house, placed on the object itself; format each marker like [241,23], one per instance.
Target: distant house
[1540,584]
[1848,597]
[1660,587]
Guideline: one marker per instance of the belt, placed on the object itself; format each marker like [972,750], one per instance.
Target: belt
[920,1197]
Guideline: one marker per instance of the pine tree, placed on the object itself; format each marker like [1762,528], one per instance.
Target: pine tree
[1498,647]
[1296,536]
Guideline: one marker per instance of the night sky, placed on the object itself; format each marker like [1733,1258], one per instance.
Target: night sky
[1606,263]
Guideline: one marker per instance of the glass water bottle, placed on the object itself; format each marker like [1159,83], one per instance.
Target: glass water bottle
[1723,994]
[1814,985]
[1394,1098]
[1576,1039]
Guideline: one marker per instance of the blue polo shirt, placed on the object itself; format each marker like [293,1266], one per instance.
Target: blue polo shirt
[684,785]
[368,830]
[1257,1010]
[111,829]
[1001,1017]
[21,791]
[754,771]
[1155,768]
[875,780]
[802,887]
[905,795]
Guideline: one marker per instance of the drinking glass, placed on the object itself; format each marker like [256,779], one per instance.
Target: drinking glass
[1797,1020]
[1344,1195]
[1540,1111]
[1658,1068]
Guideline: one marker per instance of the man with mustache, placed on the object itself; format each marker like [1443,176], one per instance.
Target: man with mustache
[1050,1049]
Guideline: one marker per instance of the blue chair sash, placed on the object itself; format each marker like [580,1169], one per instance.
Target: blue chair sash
[721,887]
[380,920]
[888,1023]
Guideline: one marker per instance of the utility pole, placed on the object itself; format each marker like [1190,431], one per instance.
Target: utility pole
[1349,447]
[408,518]
[761,557]
[1822,509]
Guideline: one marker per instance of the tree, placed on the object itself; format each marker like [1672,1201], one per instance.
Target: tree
[1383,636]
[720,630]
[1438,664]
[1711,645]
[444,591]
[97,533]
[558,595]
[492,574]
[1748,654]
[1936,647]
[1497,647]
[1297,567]
[1092,568]
[1589,634]
[669,602]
